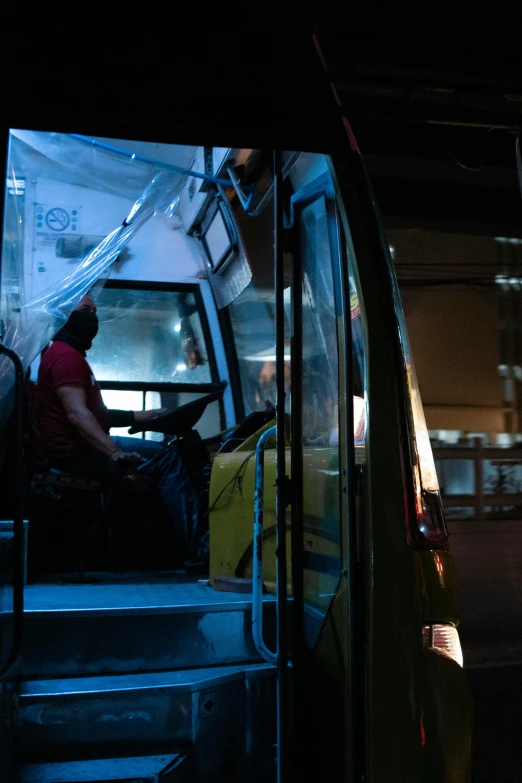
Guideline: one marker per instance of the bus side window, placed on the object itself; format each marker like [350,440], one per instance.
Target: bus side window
[320,411]
[358,366]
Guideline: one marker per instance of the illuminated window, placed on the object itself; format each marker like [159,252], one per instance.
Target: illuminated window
[149,336]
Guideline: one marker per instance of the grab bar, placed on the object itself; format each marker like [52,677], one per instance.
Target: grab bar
[257,552]
[18,516]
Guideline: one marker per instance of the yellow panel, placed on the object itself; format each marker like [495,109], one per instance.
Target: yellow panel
[231,516]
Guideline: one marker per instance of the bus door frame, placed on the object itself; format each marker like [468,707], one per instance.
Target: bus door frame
[284,712]
[354,711]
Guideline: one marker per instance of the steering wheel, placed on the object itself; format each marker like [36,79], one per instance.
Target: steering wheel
[178,421]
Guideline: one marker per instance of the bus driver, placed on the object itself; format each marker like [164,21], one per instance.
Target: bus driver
[74,426]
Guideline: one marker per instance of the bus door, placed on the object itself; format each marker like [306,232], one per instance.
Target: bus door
[321,446]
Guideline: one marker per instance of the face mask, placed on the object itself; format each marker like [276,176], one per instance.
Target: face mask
[80,330]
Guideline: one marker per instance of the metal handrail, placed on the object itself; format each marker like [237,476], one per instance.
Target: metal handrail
[18,521]
[257,557]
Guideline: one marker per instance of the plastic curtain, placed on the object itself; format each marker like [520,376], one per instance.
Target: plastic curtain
[28,325]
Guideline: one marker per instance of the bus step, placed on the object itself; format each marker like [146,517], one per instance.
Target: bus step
[115,629]
[133,769]
[146,711]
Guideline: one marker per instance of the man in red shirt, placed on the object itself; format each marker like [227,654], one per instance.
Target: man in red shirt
[73,419]
[75,424]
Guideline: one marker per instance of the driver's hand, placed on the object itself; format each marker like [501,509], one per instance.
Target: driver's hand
[148,415]
[127,456]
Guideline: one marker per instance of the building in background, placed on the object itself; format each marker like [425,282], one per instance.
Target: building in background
[462,298]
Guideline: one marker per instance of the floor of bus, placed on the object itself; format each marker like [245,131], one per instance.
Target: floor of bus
[149,675]
[132,590]
[130,575]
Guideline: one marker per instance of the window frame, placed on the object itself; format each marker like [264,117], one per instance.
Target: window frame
[234,373]
[195,388]
[333,565]
[215,207]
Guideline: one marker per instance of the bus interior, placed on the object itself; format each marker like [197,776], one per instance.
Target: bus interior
[133,659]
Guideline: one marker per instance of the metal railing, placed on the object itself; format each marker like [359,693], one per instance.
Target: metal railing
[480,499]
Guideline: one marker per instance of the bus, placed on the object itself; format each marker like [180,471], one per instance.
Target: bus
[243,281]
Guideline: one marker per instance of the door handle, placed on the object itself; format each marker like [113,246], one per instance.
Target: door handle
[257,551]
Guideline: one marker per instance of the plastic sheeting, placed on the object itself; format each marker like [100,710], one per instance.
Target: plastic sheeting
[30,323]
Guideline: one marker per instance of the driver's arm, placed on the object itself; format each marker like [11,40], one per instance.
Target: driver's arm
[118,418]
[78,414]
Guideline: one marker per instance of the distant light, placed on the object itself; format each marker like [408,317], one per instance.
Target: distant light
[510,240]
[181,367]
[177,328]
[508,282]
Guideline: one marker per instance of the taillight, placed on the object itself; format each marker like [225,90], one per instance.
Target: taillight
[443,638]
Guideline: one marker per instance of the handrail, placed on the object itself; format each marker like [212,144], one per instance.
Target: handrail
[154,162]
[18,521]
[257,559]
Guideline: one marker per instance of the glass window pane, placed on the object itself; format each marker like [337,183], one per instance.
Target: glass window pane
[358,367]
[116,399]
[123,401]
[217,239]
[252,318]
[321,488]
[153,400]
[320,363]
[149,336]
